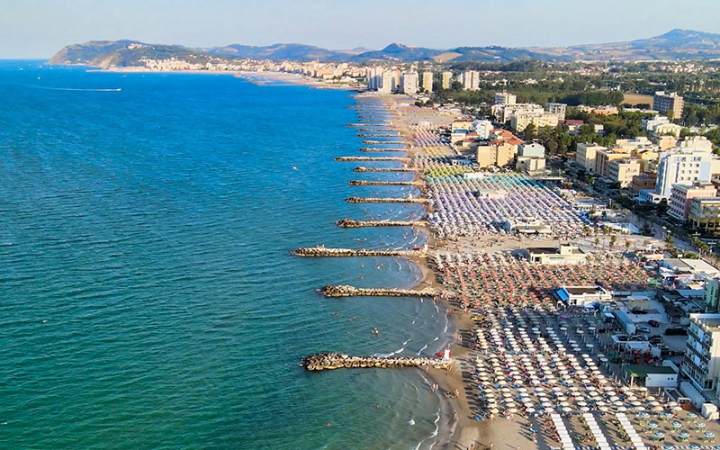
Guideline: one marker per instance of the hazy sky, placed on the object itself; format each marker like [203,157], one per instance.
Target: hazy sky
[39,28]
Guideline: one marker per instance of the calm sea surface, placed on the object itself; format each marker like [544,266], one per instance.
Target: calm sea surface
[147,296]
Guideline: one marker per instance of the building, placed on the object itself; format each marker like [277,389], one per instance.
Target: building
[504,112]
[496,153]
[564,254]
[702,351]
[505,98]
[374,78]
[390,82]
[681,197]
[532,149]
[623,171]
[586,155]
[704,215]
[447,80]
[530,164]
[409,83]
[644,181]
[650,376]
[664,102]
[554,108]
[483,128]
[603,158]
[427,82]
[526,225]
[689,163]
[586,296]
[471,80]
[520,121]
[664,142]
[712,295]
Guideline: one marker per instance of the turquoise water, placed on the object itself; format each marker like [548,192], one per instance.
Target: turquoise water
[147,296]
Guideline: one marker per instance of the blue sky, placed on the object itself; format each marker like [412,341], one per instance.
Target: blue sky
[39,28]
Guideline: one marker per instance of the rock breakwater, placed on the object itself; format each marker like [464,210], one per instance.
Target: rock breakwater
[372,158]
[385,183]
[384,142]
[343,290]
[380,150]
[352,223]
[385,169]
[348,252]
[331,361]
[385,200]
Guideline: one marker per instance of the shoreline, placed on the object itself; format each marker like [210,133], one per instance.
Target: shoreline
[260,78]
[463,431]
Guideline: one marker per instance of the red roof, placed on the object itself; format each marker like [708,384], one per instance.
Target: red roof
[573,122]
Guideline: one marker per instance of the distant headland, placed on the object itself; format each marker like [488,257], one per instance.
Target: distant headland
[676,45]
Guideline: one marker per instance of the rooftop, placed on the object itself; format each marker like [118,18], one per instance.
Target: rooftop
[642,370]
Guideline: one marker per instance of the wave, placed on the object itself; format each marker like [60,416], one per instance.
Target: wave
[79,89]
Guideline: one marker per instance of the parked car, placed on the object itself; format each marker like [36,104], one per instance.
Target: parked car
[643,329]
[656,339]
[676,331]
[653,323]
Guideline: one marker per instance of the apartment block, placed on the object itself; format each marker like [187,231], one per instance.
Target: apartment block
[664,102]
[681,198]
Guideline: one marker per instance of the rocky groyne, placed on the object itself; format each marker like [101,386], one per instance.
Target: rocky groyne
[331,361]
[378,135]
[342,290]
[385,183]
[386,200]
[372,158]
[320,252]
[384,142]
[386,169]
[352,223]
[366,125]
[380,150]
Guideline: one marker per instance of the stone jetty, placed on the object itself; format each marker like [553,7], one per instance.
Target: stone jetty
[331,361]
[385,183]
[320,252]
[386,169]
[351,223]
[378,150]
[378,135]
[343,290]
[386,200]
[384,142]
[372,158]
[366,125]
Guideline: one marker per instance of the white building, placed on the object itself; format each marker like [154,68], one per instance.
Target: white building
[390,82]
[504,112]
[689,163]
[702,351]
[532,149]
[505,98]
[483,128]
[556,108]
[471,80]
[409,83]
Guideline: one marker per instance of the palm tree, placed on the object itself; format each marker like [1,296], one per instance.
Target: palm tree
[669,242]
[597,241]
[613,241]
[627,245]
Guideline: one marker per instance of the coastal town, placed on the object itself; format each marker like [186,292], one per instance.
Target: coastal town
[584,321]
[574,244]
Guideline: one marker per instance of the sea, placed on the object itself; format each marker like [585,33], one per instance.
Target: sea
[148,297]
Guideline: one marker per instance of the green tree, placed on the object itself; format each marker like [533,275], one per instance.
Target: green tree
[669,242]
[530,132]
[613,241]
[627,245]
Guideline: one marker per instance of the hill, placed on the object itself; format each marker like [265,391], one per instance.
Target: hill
[674,45]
